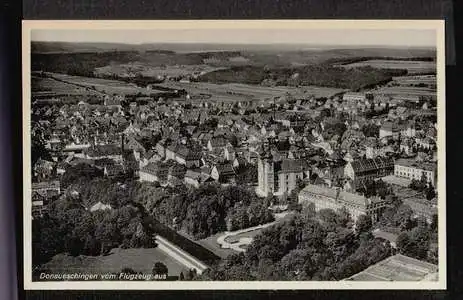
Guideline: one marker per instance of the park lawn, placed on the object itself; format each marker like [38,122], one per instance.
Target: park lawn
[139,259]
[249,234]
[211,244]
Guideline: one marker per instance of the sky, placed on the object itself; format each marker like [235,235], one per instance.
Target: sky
[342,37]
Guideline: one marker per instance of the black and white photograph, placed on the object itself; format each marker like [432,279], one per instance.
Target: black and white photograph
[234,154]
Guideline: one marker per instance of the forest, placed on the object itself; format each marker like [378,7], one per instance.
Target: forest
[319,75]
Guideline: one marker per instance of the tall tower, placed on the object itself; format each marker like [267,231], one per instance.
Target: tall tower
[265,173]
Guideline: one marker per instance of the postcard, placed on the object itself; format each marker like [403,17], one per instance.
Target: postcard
[206,154]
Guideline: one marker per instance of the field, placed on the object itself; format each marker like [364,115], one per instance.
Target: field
[406,91]
[398,268]
[123,70]
[413,67]
[239,92]
[49,87]
[140,260]
[102,85]
[420,81]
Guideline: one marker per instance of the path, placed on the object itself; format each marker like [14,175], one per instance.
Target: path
[245,240]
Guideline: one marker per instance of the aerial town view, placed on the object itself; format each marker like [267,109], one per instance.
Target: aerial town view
[232,161]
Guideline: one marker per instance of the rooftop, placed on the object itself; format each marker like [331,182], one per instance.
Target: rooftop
[416,164]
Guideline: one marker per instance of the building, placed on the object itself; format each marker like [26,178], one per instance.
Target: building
[104,151]
[412,169]
[389,129]
[373,148]
[155,171]
[223,172]
[278,176]
[196,178]
[351,96]
[368,169]
[183,155]
[408,130]
[47,188]
[218,142]
[39,205]
[335,198]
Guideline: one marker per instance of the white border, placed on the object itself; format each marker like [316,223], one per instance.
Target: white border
[437,25]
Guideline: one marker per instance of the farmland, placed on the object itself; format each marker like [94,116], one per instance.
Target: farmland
[238,92]
[412,67]
[42,87]
[419,81]
[132,68]
[405,91]
[101,85]
[140,260]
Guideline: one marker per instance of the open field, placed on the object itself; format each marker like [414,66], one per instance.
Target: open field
[429,80]
[42,87]
[398,268]
[140,260]
[247,92]
[413,67]
[124,70]
[102,85]
[406,91]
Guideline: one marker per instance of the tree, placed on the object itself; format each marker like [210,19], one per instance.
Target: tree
[414,243]
[363,224]
[430,193]
[159,269]
[403,217]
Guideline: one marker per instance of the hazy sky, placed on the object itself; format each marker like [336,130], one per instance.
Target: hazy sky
[344,37]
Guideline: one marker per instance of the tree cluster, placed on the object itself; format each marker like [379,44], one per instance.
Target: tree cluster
[305,247]
[370,130]
[202,212]
[424,187]
[70,226]
[418,242]
[378,188]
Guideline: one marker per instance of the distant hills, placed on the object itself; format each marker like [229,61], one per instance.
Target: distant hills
[66,47]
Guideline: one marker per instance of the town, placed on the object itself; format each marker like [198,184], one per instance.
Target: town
[193,172]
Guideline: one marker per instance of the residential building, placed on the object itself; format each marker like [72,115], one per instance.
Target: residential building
[47,188]
[223,172]
[104,151]
[389,129]
[156,171]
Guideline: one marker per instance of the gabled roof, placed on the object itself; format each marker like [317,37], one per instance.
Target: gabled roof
[225,169]
[103,150]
